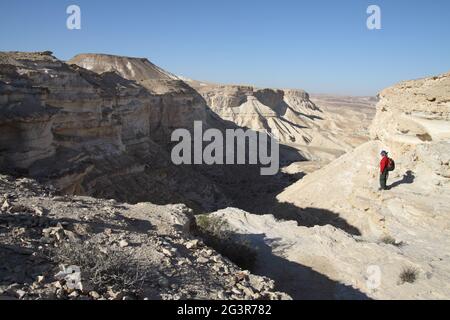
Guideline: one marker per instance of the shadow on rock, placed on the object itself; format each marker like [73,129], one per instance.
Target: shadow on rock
[305,217]
[408,178]
[20,264]
[299,281]
[310,217]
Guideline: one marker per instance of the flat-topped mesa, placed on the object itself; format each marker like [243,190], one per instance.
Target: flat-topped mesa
[155,79]
[138,69]
[178,105]
[414,112]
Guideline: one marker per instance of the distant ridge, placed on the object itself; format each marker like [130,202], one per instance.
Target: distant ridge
[137,69]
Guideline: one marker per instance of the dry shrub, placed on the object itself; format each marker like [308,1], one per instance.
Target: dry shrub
[116,269]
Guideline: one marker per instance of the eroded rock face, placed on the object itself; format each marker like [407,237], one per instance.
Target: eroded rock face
[176,105]
[261,109]
[414,112]
[96,134]
[90,108]
[25,120]
[317,133]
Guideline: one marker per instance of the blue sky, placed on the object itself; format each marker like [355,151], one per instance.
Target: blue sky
[320,46]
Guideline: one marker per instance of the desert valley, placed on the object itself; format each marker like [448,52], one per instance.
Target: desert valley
[86,179]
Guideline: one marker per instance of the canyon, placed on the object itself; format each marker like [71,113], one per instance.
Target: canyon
[97,130]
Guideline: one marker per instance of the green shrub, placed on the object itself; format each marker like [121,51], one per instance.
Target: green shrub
[217,233]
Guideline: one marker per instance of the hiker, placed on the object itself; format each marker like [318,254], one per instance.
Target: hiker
[384,170]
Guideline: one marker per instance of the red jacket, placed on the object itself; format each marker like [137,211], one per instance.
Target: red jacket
[384,164]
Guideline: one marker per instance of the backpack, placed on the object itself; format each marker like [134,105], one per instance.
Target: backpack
[391,165]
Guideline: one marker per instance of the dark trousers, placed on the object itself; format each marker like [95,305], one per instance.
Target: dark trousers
[383,179]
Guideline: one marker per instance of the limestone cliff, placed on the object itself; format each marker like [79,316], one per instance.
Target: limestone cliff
[414,112]
[96,134]
[176,104]
[317,133]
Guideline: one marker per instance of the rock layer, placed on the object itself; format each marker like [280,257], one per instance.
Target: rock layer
[93,134]
[414,112]
[318,134]
[176,104]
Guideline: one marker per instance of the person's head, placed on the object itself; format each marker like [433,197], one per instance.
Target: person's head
[384,153]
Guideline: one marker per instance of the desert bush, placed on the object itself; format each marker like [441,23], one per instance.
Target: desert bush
[409,275]
[217,233]
[116,269]
[390,240]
